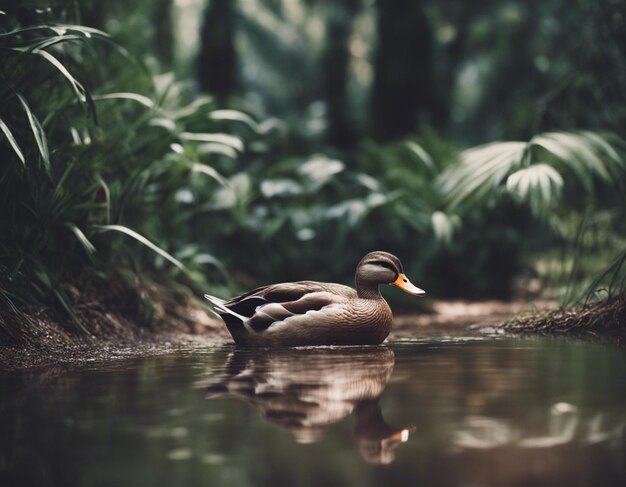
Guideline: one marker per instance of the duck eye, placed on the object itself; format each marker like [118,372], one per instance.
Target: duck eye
[384,264]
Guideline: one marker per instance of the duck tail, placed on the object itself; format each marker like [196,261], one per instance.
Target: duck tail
[219,305]
[214,300]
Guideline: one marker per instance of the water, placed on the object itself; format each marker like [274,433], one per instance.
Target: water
[446,412]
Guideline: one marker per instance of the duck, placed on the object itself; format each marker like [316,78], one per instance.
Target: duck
[311,313]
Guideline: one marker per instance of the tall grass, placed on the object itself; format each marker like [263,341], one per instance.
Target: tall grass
[93,177]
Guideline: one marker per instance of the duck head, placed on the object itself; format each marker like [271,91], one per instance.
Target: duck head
[382,268]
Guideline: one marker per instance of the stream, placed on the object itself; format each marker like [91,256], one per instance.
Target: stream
[444,411]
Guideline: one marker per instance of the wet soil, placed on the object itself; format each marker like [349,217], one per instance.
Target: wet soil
[190,325]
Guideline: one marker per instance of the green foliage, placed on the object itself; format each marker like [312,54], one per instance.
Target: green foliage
[107,165]
[467,225]
[534,172]
[84,162]
[568,180]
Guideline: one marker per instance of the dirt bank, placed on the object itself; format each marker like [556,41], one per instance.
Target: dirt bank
[603,318]
[183,322]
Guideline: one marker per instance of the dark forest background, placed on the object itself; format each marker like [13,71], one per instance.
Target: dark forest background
[227,143]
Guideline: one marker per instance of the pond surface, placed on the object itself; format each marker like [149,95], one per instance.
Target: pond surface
[443,412]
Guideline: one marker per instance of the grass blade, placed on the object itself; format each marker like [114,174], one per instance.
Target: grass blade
[16,148]
[422,155]
[141,239]
[225,139]
[107,198]
[211,172]
[235,116]
[82,238]
[80,91]
[38,133]
[141,99]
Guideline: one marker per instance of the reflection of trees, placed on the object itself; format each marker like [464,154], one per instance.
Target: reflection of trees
[306,391]
[563,424]
[496,414]
[569,447]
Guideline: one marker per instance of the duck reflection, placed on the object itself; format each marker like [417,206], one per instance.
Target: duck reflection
[306,391]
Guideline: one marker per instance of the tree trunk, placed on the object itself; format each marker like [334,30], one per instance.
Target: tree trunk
[217,63]
[163,43]
[403,69]
[336,63]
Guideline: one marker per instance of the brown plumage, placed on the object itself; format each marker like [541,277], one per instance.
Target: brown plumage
[317,313]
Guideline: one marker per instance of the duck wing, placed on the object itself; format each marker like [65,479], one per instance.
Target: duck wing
[267,314]
[290,291]
[261,307]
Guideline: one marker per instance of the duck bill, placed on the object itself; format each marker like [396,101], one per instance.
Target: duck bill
[403,283]
[401,436]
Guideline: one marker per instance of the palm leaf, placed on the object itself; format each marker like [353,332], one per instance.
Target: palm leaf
[444,226]
[538,184]
[479,171]
[534,171]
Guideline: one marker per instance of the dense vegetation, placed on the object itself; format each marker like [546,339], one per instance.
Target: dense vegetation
[116,170]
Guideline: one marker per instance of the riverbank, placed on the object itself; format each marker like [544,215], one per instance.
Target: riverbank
[183,322]
[117,327]
[118,318]
[601,318]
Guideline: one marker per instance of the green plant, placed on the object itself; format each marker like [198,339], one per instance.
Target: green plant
[571,181]
[93,175]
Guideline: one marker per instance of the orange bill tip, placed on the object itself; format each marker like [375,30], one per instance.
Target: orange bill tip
[403,283]
[402,436]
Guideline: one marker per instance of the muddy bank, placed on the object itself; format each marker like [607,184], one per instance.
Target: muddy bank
[603,318]
[182,322]
[117,317]
[185,323]
[122,320]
